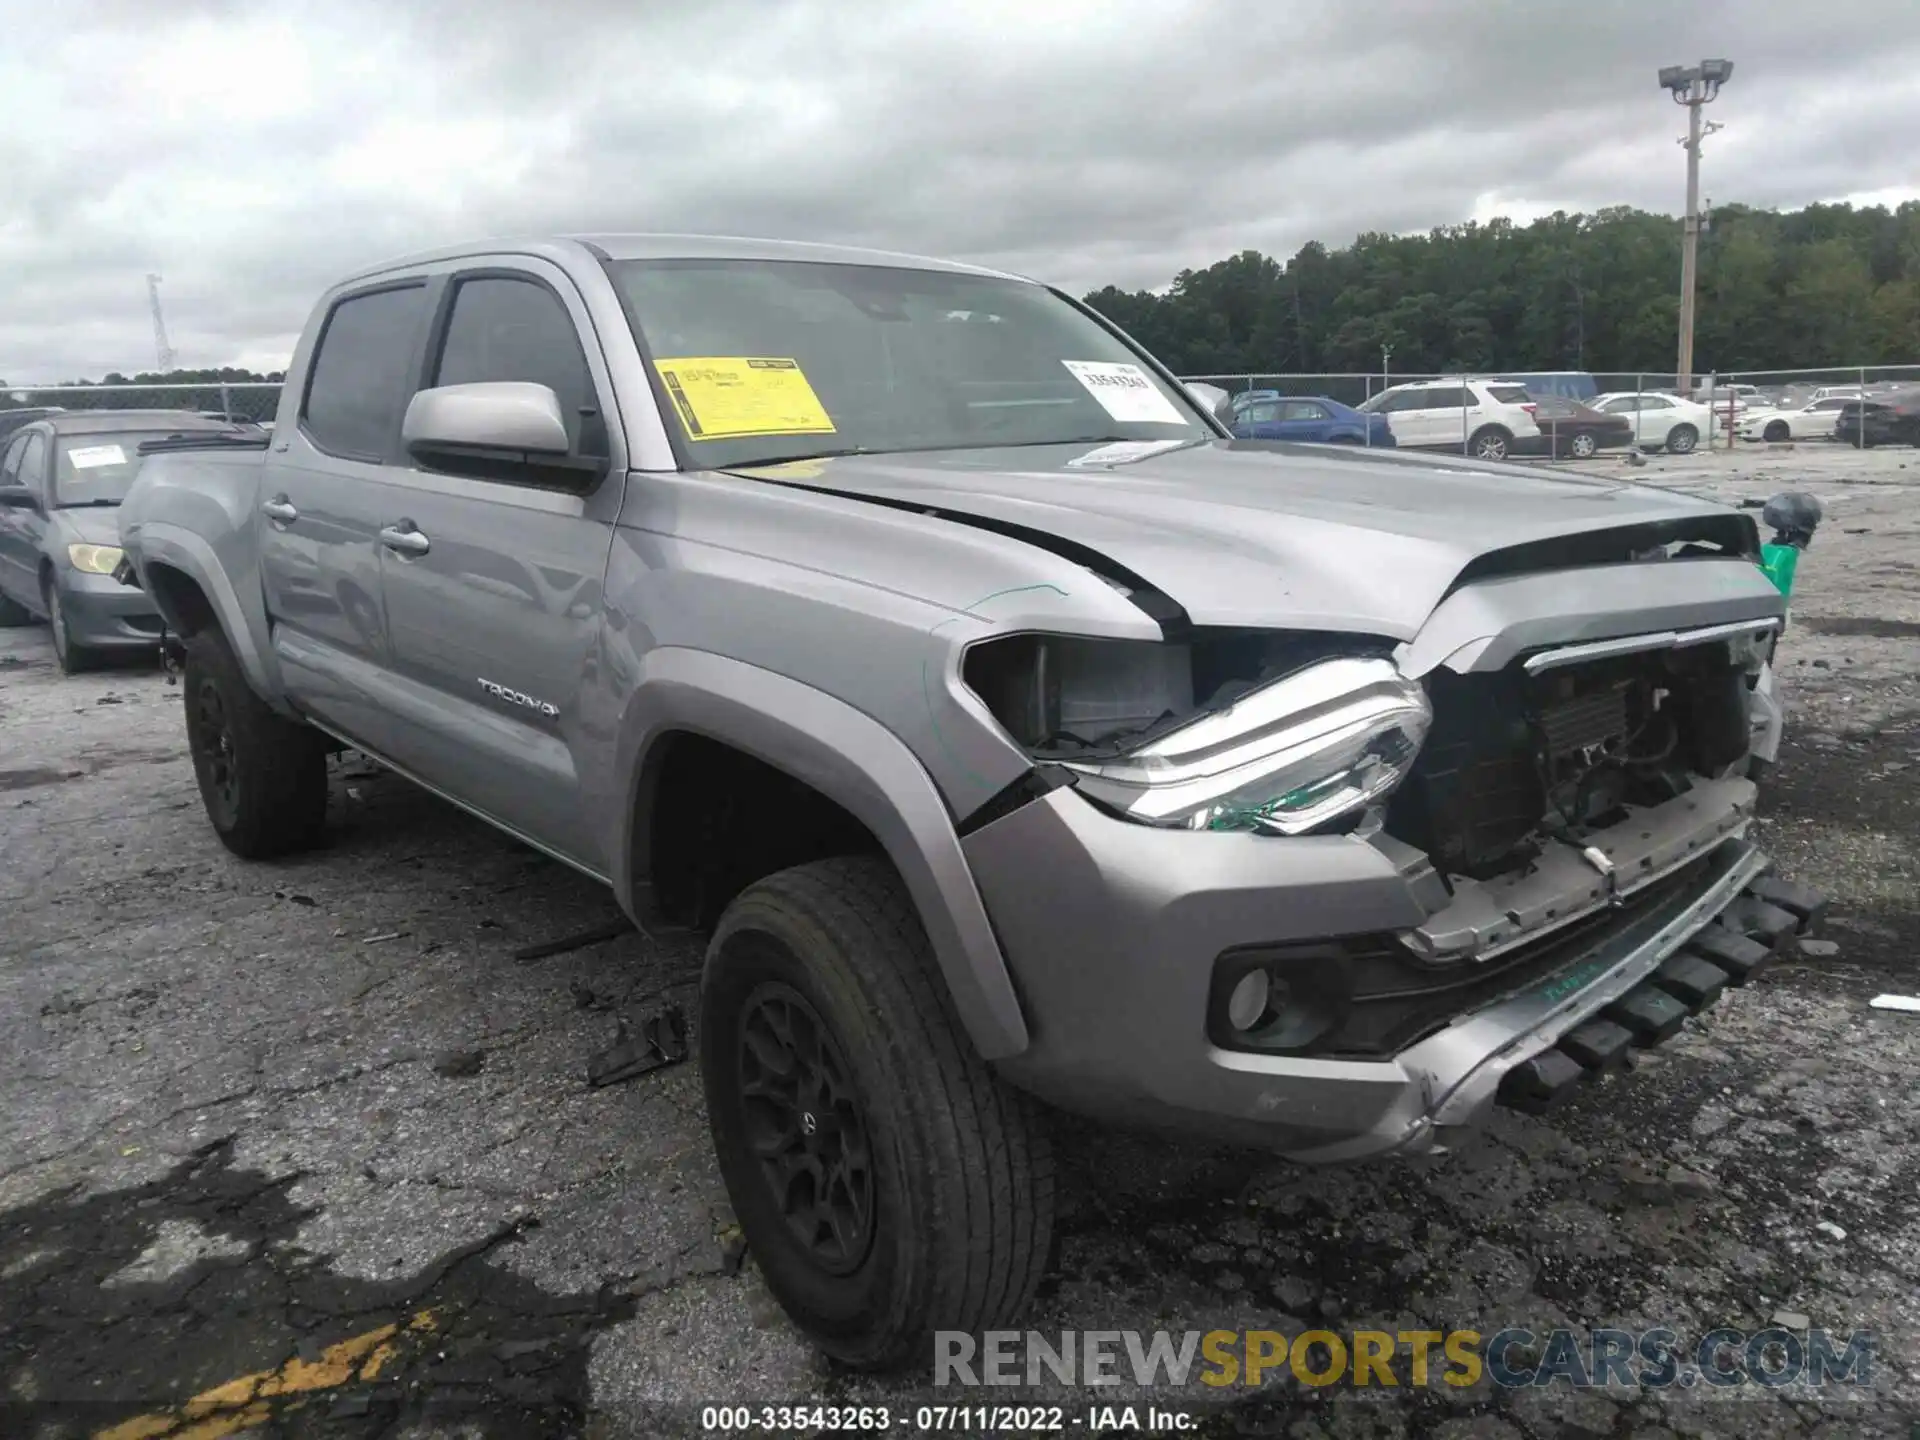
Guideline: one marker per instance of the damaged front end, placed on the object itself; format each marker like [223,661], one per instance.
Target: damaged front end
[1560,807]
[1515,802]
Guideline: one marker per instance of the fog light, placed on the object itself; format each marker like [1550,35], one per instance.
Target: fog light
[1248,1002]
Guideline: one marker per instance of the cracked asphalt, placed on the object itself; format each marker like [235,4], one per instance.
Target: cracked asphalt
[257,1121]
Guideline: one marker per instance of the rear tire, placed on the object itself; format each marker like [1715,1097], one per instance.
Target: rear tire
[1681,440]
[840,1083]
[263,778]
[1491,442]
[1583,446]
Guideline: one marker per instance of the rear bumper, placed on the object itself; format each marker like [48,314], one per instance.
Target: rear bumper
[103,614]
[1115,954]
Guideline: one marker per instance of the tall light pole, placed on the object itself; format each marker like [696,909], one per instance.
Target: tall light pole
[1692,86]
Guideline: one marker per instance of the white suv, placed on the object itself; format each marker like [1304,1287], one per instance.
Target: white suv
[1488,418]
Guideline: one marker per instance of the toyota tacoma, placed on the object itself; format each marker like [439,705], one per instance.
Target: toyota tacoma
[1024,742]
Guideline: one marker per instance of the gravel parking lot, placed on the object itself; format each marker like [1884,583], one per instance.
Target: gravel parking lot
[291,1125]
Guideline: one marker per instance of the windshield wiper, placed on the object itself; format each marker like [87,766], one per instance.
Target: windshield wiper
[809,455]
[83,504]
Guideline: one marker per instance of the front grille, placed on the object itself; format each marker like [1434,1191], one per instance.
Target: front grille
[1509,755]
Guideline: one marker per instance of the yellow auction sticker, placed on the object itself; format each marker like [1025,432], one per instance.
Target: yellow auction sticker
[721,397]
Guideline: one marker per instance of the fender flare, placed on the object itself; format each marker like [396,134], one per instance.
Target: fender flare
[159,543]
[853,760]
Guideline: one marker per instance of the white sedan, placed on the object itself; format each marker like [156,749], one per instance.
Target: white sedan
[1813,421]
[1661,422]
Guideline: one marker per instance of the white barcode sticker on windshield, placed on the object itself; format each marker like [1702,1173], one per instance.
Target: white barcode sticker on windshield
[1125,392]
[93,457]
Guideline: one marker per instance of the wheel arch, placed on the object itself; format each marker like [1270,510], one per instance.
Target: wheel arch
[192,591]
[847,758]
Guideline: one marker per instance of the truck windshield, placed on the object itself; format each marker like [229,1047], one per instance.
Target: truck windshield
[772,360]
[96,469]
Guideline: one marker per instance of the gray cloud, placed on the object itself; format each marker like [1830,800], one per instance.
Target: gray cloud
[252,152]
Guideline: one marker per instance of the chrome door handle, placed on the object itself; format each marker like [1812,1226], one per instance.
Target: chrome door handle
[279,509]
[405,539]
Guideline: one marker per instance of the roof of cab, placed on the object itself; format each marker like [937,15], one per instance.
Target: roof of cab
[94,422]
[676,247]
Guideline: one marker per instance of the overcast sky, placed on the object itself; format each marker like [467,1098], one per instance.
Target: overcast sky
[250,151]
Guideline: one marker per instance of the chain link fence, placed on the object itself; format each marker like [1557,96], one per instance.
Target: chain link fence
[249,400]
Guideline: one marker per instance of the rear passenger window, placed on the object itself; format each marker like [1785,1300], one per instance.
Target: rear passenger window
[362,374]
[504,329]
[1509,394]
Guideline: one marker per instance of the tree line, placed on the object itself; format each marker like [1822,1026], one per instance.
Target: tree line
[206,379]
[1829,285]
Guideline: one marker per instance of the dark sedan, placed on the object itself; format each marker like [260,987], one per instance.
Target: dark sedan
[62,478]
[1569,428]
[1885,422]
[1311,418]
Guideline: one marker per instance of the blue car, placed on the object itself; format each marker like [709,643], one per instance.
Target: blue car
[1312,418]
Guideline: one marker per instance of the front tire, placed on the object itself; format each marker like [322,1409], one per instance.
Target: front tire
[1776,431]
[75,659]
[887,1182]
[263,778]
[1491,442]
[1681,440]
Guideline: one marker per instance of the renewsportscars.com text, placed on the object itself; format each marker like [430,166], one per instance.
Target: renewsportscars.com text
[1511,1358]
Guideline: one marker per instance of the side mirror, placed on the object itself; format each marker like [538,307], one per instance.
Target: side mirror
[17,497]
[491,415]
[1213,400]
[496,429]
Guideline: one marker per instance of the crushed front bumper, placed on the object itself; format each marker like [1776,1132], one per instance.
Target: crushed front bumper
[1113,931]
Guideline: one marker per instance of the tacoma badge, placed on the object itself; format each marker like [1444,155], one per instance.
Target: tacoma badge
[515,697]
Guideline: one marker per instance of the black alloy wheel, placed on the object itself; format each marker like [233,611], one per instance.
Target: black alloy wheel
[210,739]
[806,1127]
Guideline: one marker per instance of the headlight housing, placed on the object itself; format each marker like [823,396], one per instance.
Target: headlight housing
[94,559]
[1285,758]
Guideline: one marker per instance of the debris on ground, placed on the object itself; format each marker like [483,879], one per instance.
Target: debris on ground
[1827,1227]
[599,935]
[585,997]
[1819,949]
[1790,1320]
[1910,1003]
[384,936]
[733,1249]
[459,1064]
[662,1040]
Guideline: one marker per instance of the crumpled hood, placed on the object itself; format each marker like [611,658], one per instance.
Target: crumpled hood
[1259,533]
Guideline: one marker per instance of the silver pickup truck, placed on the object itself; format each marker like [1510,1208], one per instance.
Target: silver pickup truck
[1015,731]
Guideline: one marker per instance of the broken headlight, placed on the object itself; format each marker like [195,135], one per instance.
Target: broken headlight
[1285,756]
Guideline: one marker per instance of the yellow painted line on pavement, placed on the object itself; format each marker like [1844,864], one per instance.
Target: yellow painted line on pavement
[240,1404]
